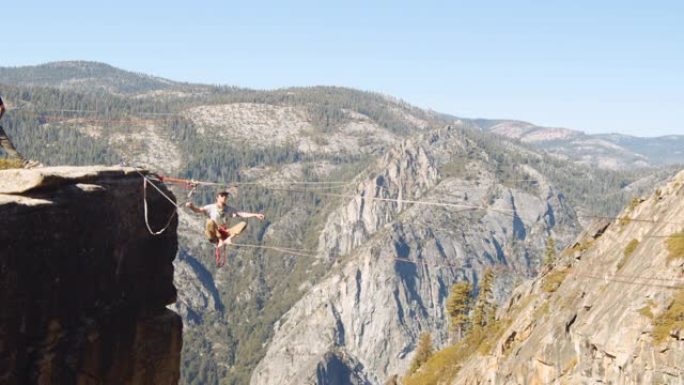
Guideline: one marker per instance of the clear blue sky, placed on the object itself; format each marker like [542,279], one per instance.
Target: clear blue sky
[598,66]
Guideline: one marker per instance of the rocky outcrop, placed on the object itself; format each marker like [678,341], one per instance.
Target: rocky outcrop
[83,285]
[407,172]
[396,260]
[594,318]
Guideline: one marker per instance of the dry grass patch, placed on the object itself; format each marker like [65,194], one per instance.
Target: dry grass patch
[631,246]
[583,246]
[675,245]
[647,312]
[624,221]
[629,250]
[672,319]
[633,204]
[554,279]
[444,365]
[6,163]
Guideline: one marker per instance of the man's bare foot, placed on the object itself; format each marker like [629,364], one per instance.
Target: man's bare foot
[32,164]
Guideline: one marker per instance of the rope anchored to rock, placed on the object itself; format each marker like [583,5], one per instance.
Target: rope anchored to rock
[147,181]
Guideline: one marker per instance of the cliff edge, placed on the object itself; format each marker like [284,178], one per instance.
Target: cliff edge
[83,285]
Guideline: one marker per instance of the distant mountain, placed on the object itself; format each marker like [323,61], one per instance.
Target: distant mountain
[663,150]
[608,151]
[86,76]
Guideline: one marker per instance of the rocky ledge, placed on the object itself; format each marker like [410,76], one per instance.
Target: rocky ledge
[83,285]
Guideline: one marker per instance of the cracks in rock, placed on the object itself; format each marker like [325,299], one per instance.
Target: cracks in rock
[358,286]
[569,324]
[400,309]
[339,327]
[550,215]
[500,256]
[519,230]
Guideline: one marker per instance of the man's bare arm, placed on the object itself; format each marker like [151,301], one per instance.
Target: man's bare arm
[243,214]
[196,209]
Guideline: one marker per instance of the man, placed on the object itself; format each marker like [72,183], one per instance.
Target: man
[219,213]
[5,142]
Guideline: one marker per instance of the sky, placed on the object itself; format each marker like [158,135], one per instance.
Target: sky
[595,66]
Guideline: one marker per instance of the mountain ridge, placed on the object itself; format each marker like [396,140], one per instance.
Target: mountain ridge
[611,150]
[87,75]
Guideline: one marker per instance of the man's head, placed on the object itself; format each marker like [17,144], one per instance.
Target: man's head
[222,197]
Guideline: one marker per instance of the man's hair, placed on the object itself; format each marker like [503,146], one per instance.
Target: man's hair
[223,194]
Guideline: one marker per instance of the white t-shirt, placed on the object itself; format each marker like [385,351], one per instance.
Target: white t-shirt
[220,216]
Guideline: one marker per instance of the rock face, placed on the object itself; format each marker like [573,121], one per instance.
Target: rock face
[597,322]
[83,285]
[396,261]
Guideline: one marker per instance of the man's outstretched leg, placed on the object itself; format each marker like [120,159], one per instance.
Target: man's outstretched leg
[9,148]
[235,231]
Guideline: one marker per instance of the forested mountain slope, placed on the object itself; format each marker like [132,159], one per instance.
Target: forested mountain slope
[495,203]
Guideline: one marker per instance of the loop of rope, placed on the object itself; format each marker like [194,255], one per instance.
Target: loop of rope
[146,211]
[146,180]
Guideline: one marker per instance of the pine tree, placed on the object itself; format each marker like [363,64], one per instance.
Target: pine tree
[549,252]
[485,309]
[458,307]
[423,352]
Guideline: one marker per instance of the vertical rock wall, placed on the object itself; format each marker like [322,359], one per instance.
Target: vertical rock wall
[83,284]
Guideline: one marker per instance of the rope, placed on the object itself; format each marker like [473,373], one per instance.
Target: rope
[146,211]
[33,109]
[280,249]
[474,207]
[147,180]
[167,179]
[409,201]
[617,280]
[413,201]
[220,256]
[159,190]
[677,280]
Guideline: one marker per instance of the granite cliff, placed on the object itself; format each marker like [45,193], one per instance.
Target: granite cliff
[610,311]
[83,285]
[395,260]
